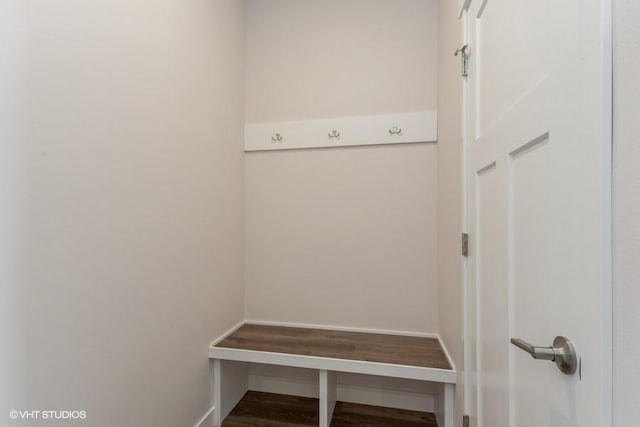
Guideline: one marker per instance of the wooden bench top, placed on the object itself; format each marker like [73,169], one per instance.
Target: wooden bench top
[402,350]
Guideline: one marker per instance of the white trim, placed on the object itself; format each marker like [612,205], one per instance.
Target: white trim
[608,255]
[481,9]
[464,261]
[421,126]
[337,365]
[226,334]
[205,418]
[444,406]
[230,384]
[446,353]
[328,392]
[343,329]
[464,7]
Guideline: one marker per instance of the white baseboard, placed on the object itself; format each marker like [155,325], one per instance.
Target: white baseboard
[207,419]
[386,398]
[446,353]
[343,328]
[229,332]
[288,386]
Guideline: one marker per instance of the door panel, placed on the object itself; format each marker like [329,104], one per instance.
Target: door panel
[511,39]
[539,210]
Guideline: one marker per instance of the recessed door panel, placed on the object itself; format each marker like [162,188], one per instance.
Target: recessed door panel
[512,41]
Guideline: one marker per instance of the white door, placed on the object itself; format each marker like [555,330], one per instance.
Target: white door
[539,208]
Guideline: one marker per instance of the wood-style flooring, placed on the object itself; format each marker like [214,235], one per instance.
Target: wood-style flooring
[258,409]
[355,415]
[382,348]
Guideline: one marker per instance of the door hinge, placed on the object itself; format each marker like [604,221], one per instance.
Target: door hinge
[465,244]
[464,54]
[465,421]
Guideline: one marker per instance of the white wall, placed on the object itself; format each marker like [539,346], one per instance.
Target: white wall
[450,190]
[311,59]
[341,236]
[627,213]
[121,177]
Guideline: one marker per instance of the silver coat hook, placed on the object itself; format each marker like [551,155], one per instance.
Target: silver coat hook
[334,134]
[276,138]
[464,51]
[396,130]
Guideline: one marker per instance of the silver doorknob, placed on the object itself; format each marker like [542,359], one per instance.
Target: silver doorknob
[562,352]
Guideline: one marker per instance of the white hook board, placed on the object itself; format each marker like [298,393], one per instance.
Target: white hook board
[342,131]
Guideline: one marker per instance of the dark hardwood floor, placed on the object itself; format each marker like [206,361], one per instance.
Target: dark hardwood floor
[354,415]
[258,409]
[274,410]
[383,348]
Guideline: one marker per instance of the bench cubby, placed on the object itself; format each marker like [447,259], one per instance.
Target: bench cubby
[325,354]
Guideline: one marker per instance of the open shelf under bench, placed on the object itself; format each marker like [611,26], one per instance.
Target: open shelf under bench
[329,352]
[258,409]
